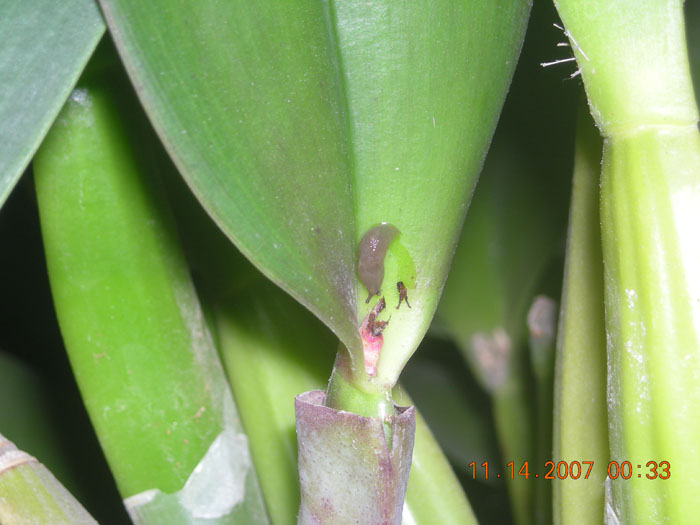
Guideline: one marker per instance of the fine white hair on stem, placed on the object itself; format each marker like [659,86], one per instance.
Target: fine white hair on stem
[571,43]
[575,45]
[560,61]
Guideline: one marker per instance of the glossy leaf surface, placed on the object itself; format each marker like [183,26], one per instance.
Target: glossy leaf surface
[301,125]
[246,98]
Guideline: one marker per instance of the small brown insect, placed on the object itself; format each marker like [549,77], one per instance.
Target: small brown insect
[377,327]
[403,294]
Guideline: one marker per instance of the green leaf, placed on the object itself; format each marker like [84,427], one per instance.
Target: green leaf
[424,85]
[45,45]
[300,125]
[246,98]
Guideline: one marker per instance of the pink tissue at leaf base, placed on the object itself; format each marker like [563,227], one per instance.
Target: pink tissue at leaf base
[371,346]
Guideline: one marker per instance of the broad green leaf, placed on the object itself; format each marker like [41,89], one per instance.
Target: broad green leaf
[247,99]
[301,125]
[424,85]
[45,45]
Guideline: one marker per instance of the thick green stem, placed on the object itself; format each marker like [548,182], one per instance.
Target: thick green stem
[650,210]
[632,56]
[346,393]
[143,358]
[633,61]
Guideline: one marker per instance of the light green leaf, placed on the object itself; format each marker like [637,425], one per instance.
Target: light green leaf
[424,84]
[246,98]
[45,45]
[300,125]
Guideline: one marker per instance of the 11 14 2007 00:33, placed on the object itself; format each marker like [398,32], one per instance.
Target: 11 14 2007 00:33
[575,470]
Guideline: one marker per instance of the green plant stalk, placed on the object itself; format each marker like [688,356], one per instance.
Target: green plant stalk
[541,322]
[29,493]
[580,406]
[513,418]
[345,392]
[131,322]
[633,60]
[637,78]
[45,46]
[650,205]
